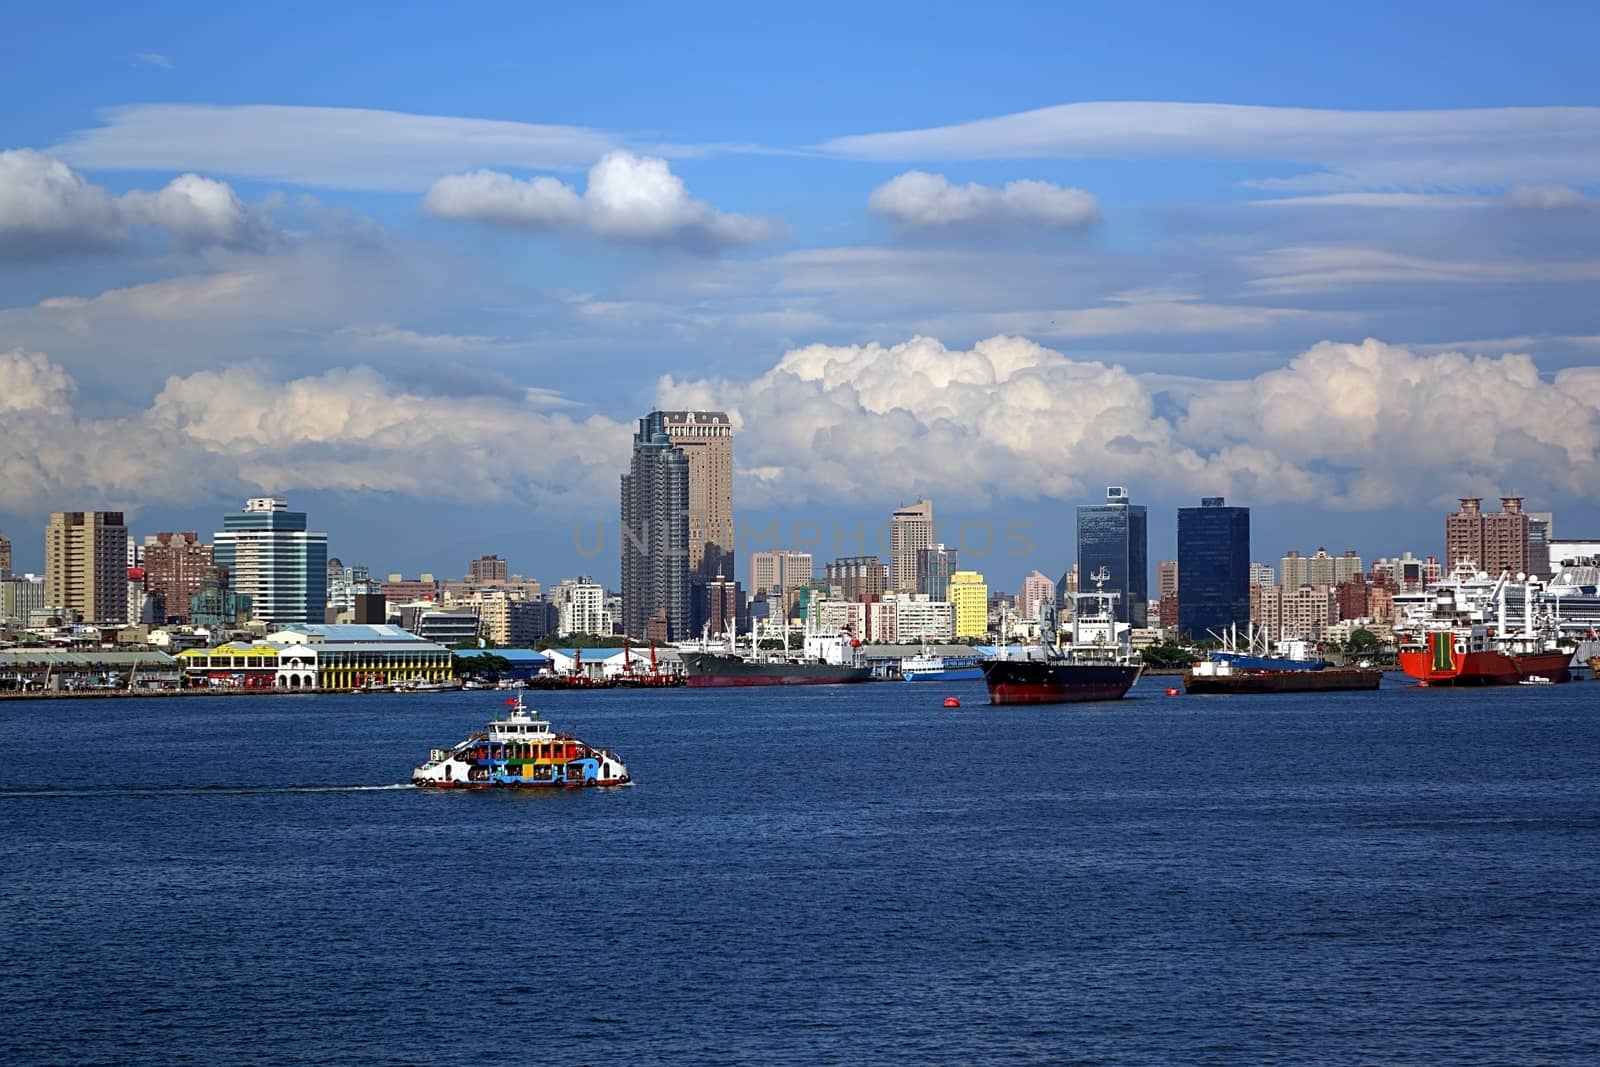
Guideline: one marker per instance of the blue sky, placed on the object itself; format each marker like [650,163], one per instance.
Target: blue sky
[422,266]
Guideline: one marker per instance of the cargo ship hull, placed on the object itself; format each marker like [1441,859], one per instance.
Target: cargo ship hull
[1050,682]
[713,670]
[1448,667]
[1328,680]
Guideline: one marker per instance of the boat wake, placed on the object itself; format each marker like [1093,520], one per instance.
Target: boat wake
[190,791]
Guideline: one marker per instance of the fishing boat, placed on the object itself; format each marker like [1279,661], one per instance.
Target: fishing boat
[520,751]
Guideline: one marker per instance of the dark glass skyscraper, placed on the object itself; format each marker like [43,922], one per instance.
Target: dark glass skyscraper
[1213,568]
[1113,535]
[655,533]
[935,565]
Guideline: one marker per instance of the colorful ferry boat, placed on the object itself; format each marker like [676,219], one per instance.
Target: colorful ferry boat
[520,751]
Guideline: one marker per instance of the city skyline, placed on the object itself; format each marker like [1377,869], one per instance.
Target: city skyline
[439,304]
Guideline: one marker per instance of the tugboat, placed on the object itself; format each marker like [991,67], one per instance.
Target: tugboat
[520,751]
[1098,664]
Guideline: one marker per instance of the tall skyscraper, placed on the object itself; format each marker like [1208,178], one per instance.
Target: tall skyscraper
[174,570]
[274,560]
[86,564]
[1213,568]
[1038,592]
[969,600]
[779,575]
[706,440]
[655,535]
[1494,543]
[5,557]
[910,528]
[1541,531]
[488,570]
[1113,535]
[1167,578]
[935,565]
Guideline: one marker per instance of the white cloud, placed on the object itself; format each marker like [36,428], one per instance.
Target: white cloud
[198,212]
[918,200]
[30,382]
[629,198]
[1546,197]
[1349,149]
[388,334]
[1014,420]
[332,147]
[47,208]
[348,429]
[153,59]
[1311,268]
[1377,200]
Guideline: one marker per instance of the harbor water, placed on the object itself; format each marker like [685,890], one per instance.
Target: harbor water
[810,875]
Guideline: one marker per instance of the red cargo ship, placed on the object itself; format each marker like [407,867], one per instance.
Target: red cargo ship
[1456,643]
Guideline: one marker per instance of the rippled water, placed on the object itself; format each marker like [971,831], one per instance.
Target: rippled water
[825,875]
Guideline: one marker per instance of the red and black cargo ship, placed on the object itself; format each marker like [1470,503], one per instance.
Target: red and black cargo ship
[1057,681]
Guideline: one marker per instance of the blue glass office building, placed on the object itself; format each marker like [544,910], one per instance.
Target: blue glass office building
[274,561]
[1113,535]
[1213,568]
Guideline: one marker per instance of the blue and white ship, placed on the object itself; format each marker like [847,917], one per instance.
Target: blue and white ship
[927,667]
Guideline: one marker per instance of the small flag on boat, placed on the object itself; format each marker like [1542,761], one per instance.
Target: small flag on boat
[511,702]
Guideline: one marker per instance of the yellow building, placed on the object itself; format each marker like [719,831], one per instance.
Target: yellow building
[969,598]
[234,665]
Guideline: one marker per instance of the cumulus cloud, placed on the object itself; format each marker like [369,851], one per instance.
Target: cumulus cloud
[30,382]
[629,198]
[198,212]
[918,200]
[348,429]
[47,208]
[1016,420]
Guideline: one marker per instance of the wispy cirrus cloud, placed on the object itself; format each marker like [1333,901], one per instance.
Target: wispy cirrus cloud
[152,59]
[331,147]
[1469,147]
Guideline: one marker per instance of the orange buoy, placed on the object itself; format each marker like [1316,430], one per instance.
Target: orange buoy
[951,702]
[1174,692]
